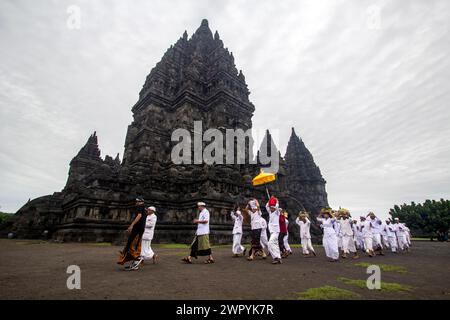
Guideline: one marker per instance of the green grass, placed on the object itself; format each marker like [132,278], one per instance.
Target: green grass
[327,293]
[385,286]
[101,244]
[384,267]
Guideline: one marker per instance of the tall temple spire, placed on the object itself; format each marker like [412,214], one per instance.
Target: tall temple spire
[90,150]
[199,65]
[300,161]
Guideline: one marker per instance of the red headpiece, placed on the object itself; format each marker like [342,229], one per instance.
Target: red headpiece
[273,201]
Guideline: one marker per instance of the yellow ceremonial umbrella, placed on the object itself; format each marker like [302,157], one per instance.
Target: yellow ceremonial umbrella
[263,178]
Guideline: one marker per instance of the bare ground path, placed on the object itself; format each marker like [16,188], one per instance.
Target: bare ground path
[37,270]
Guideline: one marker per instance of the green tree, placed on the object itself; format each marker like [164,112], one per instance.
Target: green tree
[427,218]
[4,216]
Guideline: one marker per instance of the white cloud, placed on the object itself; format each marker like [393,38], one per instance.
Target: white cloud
[372,105]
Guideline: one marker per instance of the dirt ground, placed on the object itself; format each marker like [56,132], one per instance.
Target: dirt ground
[37,270]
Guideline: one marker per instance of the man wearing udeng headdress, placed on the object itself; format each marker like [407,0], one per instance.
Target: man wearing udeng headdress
[132,249]
[200,246]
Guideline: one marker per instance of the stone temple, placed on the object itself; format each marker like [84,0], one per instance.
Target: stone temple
[196,80]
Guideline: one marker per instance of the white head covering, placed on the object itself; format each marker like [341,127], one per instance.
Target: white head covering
[202,204]
[152,208]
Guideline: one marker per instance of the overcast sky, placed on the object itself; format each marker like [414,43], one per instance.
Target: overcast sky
[364,83]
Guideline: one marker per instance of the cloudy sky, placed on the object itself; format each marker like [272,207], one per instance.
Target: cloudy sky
[365,84]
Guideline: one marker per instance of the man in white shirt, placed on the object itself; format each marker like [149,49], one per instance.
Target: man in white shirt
[147,237]
[408,235]
[348,243]
[272,208]
[305,235]
[366,230]
[401,235]
[359,240]
[200,246]
[237,217]
[384,236]
[391,235]
[264,239]
[329,240]
[376,225]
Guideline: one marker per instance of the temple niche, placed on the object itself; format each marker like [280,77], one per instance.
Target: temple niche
[196,80]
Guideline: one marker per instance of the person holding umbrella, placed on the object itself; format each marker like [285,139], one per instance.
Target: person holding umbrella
[272,208]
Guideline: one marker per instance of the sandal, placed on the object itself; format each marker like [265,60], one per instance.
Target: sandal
[208,261]
[186,259]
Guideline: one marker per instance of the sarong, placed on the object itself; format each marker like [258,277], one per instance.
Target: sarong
[256,242]
[281,242]
[132,249]
[200,246]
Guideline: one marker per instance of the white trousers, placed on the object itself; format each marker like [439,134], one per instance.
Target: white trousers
[368,243]
[376,241]
[237,246]
[348,244]
[385,241]
[360,242]
[274,248]
[306,245]
[146,250]
[393,243]
[339,241]
[330,244]
[286,242]
[263,240]
[402,242]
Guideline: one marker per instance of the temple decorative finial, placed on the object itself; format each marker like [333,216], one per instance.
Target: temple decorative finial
[185,35]
[216,36]
[204,23]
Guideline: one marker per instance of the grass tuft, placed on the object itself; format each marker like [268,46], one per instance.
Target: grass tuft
[384,267]
[385,286]
[101,244]
[327,293]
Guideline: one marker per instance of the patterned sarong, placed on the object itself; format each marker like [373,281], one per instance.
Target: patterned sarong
[200,246]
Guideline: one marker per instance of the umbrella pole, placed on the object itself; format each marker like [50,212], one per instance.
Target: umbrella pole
[267,190]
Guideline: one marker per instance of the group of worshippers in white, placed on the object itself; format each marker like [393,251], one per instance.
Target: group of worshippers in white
[370,235]
[341,234]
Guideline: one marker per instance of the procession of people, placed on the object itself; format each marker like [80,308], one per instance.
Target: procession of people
[342,236]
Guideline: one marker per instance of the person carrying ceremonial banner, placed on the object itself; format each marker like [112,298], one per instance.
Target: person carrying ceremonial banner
[272,208]
[200,246]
